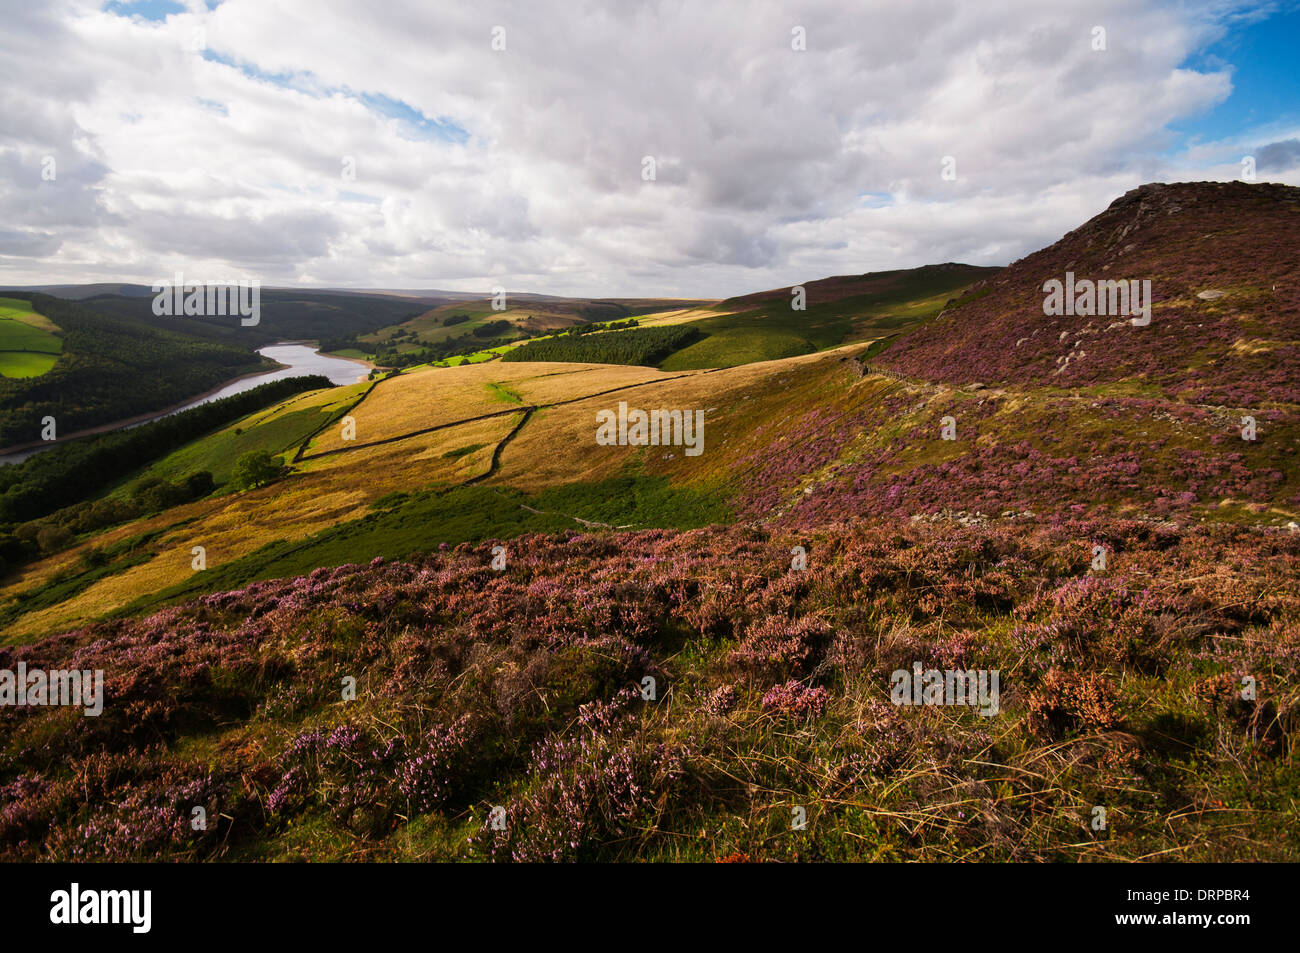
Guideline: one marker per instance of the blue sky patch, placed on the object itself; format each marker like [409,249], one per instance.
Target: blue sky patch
[156,10]
[412,119]
[1265,78]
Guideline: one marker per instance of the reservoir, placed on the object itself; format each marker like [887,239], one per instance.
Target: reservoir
[300,360]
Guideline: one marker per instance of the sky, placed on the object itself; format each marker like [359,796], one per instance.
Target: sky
[656,149]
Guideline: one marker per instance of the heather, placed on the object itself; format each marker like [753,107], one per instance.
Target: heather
[525,689]
[1238,349]
[878,451]
[403,523]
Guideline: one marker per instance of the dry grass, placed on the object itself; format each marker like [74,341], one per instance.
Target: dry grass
[338,486]
[327,491]
[736,401]
[436,396]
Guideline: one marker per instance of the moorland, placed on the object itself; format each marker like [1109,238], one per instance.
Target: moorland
[444,622]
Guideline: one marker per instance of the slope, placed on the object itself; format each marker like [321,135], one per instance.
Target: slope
[1225,327]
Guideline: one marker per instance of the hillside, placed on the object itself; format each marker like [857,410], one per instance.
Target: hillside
[741,330]
[764,326]
[523,689]
[806,441]
[901,284]
[1225,325]
[476,330]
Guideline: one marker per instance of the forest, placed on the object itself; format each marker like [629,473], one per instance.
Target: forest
[640,346]
[59,485]
[112,369]
[286,316]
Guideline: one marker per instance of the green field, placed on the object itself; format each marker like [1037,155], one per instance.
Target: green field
[352,352]
[25,363]
[278,431]
[478,357]
[736,346]
[28,346]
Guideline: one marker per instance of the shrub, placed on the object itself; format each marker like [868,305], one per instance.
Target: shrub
[1073,701]
[253,469]
[796,700]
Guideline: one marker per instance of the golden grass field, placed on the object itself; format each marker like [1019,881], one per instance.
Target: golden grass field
[337,481]
[680,316]
[735,401]
[431,397]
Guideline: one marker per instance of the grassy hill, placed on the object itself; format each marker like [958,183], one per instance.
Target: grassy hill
[765,326]
[474,330]
[740,330]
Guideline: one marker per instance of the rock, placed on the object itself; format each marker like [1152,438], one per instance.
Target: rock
[1211,295]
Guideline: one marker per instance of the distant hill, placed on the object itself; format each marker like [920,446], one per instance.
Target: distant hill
[765,326]
[875,283]
[1225,328]
[287,315]
[468,325]
[80,292]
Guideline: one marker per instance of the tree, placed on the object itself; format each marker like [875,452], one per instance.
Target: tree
[255,468]
[200,484]
[154,494]
[52,538]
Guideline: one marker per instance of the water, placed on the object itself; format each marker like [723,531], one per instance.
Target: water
[300,361]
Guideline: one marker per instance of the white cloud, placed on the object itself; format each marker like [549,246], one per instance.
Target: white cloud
[523,167]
